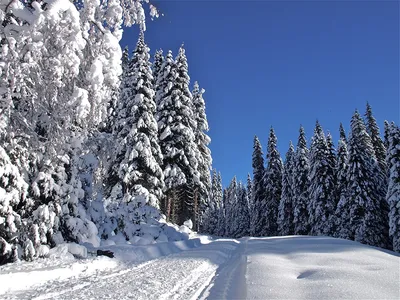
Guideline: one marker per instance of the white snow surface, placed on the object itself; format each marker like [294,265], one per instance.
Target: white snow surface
[292,267]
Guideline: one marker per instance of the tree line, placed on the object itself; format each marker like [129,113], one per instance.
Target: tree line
[351,192]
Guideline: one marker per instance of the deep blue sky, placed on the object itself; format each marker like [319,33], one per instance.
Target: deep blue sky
[282,64]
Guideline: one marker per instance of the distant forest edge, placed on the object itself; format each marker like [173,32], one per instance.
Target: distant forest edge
[351,192]
[99,144]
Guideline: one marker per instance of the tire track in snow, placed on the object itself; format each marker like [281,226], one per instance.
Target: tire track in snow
[55,288]
[229,281]
[179,276]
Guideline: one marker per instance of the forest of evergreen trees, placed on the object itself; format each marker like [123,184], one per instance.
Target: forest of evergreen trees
[97,142]
[351,192]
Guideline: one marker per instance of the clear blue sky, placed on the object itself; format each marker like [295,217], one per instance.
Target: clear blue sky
[282,64]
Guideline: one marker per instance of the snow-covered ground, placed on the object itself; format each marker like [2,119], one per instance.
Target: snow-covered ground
[201,268]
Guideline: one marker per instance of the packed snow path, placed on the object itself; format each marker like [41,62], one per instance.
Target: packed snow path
[249,268]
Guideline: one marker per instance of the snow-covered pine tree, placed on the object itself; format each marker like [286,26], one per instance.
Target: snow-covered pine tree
[257,215]
[393,194]
[377,143]
[360,209]
[202,140]
[136,172]
[301,183]
[177,139]
[285,210]
[322,185]
[273,184]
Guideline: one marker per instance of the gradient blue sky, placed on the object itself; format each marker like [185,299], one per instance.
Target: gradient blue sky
[281,64]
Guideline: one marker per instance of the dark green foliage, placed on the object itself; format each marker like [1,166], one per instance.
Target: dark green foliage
[273,184]
[285,214]
[257,215]
[301,184]
[322,184]
[393,194]
[362,208]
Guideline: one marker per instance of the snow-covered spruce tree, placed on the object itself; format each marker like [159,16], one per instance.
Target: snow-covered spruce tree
[257,214]
[242,216]
[176,122]
[393,194]
[386,134]
[362,209]
[157,64]
[331,156]
[332,161]
[249,187]
[322,185]
[220,230]
[341,165]
[377,143]
[222,215]
[342,133]
[207,217]
[285,209]
[231,208]
[380,153]
[273,185]
[211,220]
[164,82]
[100,69]
[341,181]
[136,171]
[301,183]
[202,140]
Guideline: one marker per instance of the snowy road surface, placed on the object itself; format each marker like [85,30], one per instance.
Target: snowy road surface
[248,268]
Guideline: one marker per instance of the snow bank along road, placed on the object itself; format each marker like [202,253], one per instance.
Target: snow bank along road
[249,268]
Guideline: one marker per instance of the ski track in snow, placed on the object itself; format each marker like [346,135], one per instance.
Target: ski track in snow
[249,268]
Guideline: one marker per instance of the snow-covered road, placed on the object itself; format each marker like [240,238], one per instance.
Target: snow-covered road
[249,268]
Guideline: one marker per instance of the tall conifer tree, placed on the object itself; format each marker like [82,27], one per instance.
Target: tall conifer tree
[273,184]
[393,194]
[257,215]
[377,143]
[285,210]
[301,184]
[362,218]
[322,185]
[176,124]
